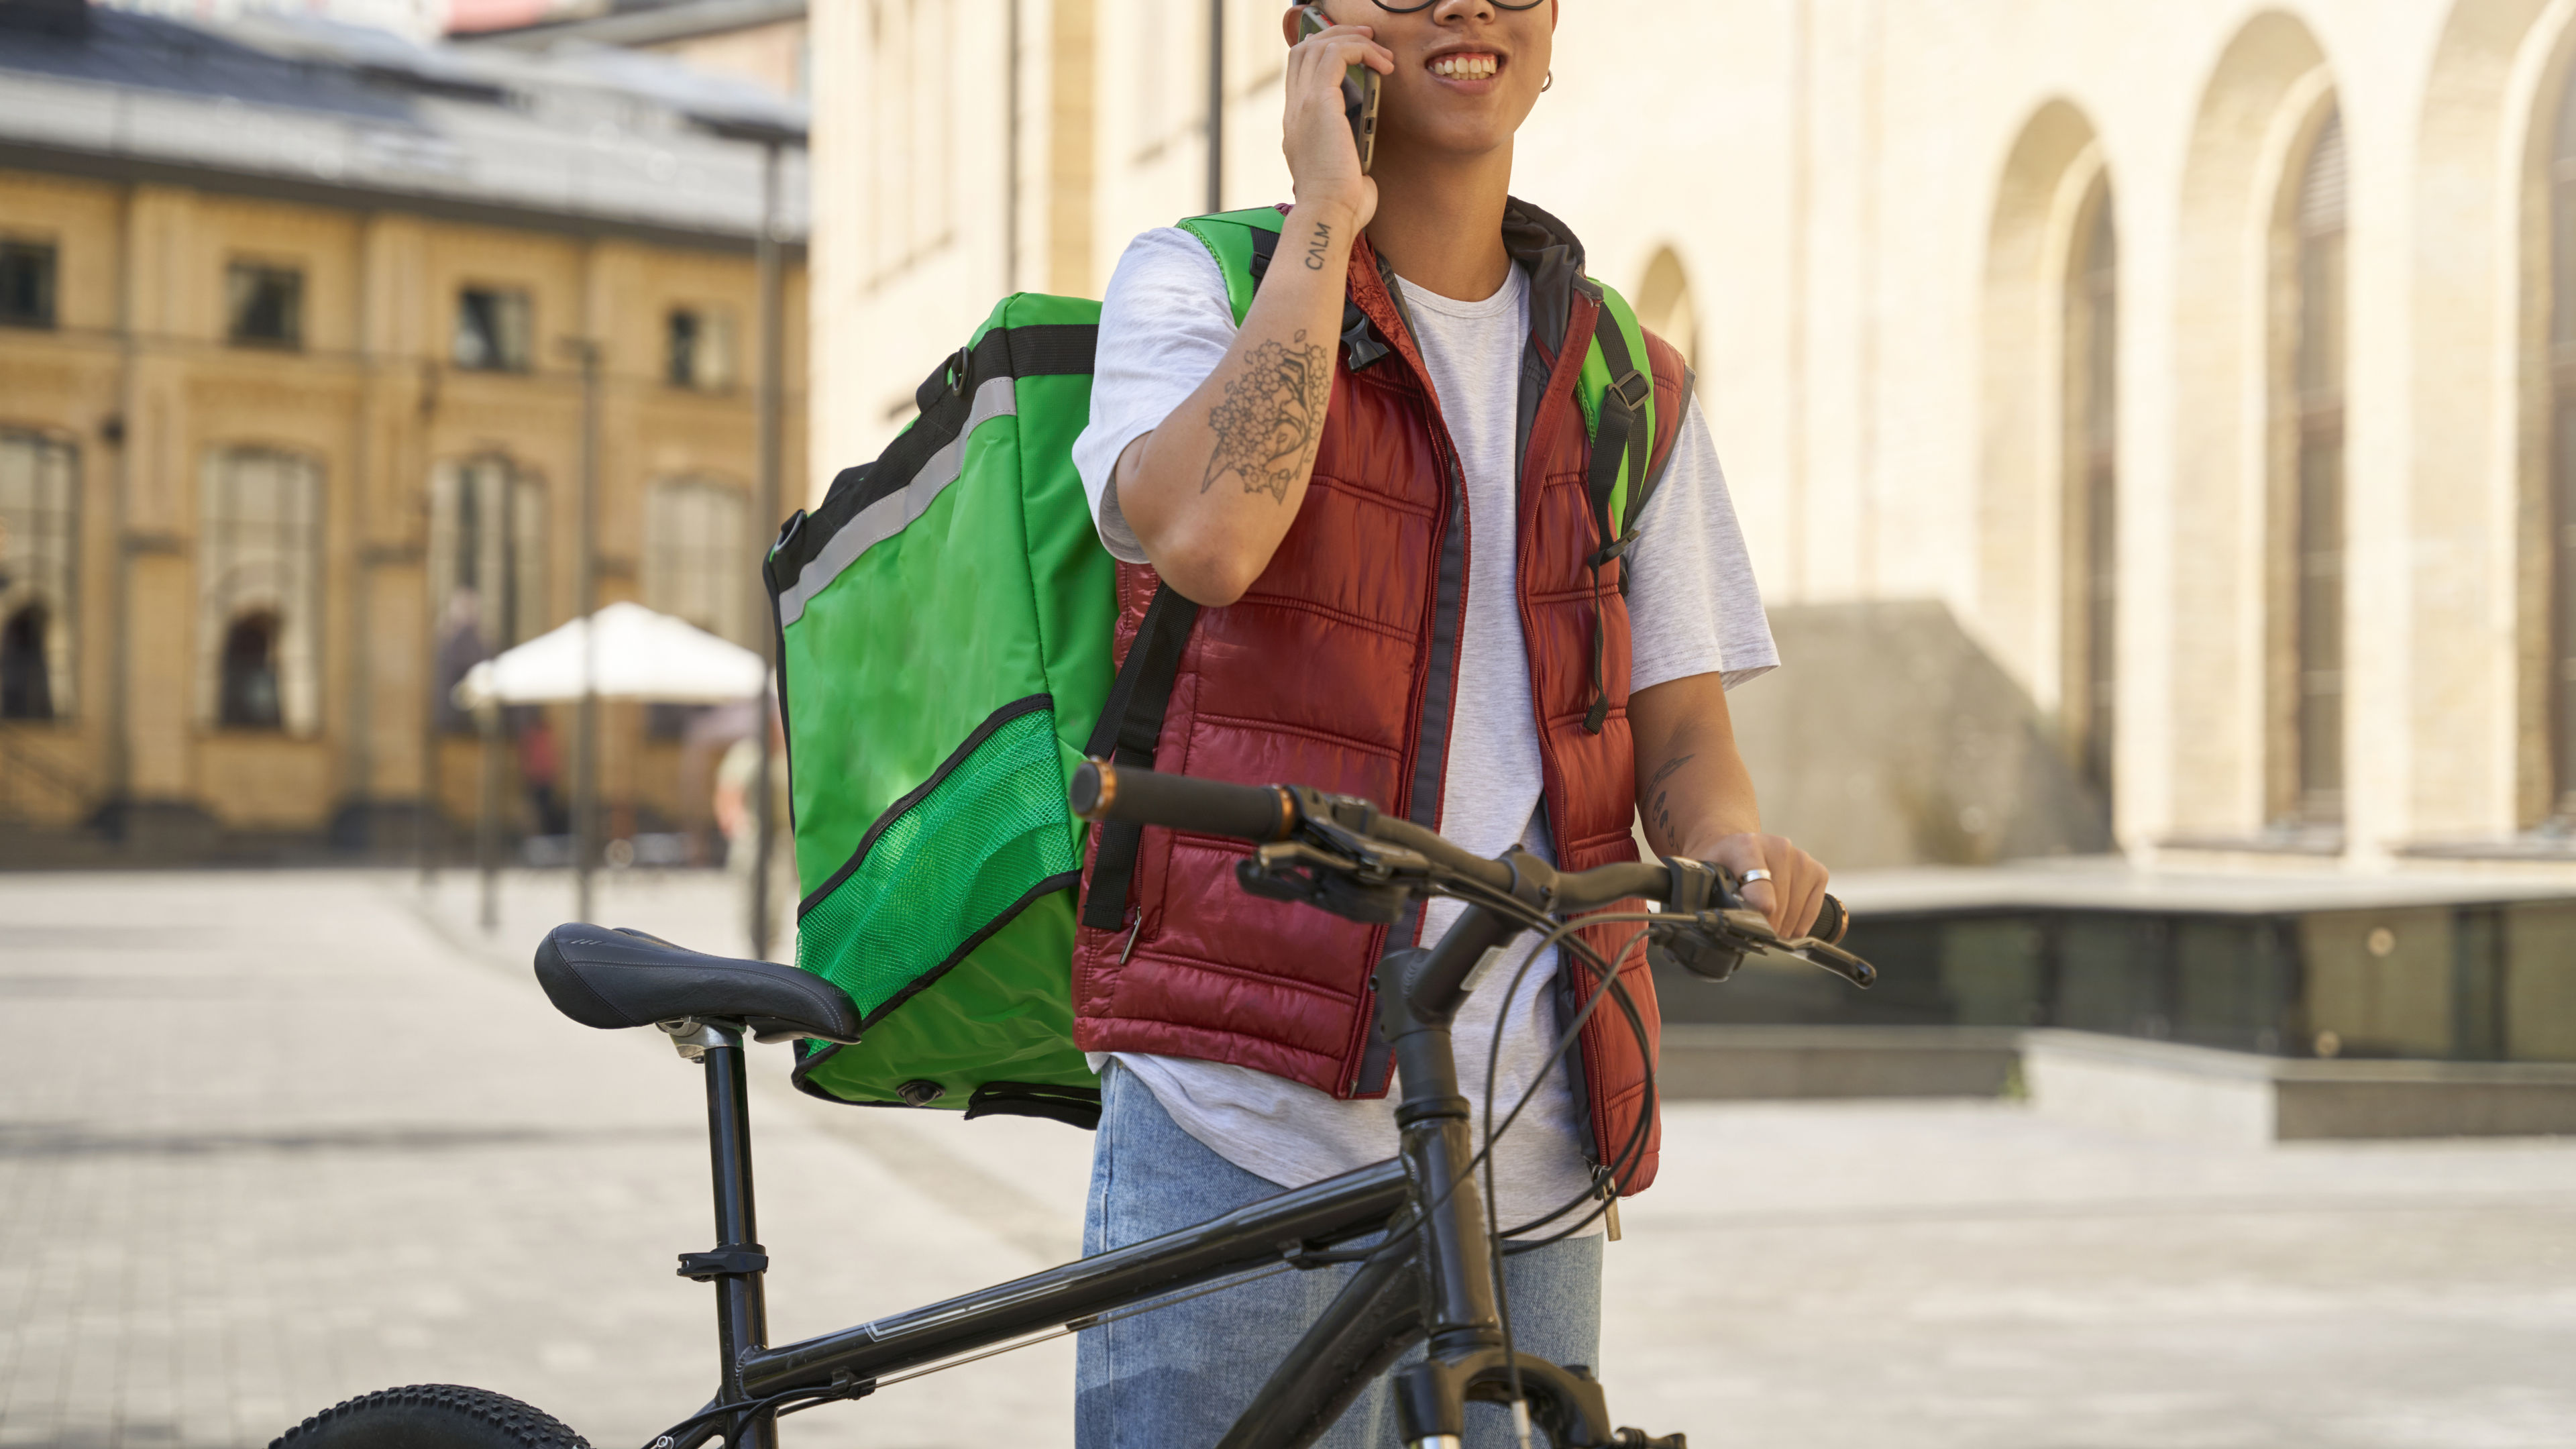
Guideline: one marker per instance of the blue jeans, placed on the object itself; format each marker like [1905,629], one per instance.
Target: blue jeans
[1178,1377]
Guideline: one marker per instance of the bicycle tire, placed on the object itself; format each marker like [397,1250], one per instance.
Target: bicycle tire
[431,1416]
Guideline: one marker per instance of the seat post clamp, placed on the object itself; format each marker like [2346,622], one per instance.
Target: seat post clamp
[692,1037]
[724,1263]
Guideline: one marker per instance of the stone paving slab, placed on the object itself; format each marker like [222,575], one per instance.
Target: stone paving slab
[269,1140]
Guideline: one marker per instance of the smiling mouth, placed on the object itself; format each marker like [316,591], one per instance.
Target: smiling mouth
[1466,65]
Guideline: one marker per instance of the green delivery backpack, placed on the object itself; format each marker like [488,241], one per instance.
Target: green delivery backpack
[945,623]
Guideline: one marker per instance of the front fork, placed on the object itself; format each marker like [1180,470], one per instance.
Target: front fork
[1419,993]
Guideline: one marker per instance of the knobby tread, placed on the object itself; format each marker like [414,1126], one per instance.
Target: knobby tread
[480,1418]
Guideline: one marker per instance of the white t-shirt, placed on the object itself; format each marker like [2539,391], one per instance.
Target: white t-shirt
[1693,609]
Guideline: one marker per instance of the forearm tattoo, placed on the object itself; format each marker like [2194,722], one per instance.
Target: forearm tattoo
[1271,414]
[1660,813]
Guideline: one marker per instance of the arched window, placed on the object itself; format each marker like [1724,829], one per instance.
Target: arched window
[698,555]
[2311,518]
[251,698]
[260,572]
[1664,304]
[2560,710]
[39,550]
[2092,486]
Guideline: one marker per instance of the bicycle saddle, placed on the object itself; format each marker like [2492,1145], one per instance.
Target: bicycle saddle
[617,978]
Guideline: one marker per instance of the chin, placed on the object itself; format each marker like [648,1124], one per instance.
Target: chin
[1462,131]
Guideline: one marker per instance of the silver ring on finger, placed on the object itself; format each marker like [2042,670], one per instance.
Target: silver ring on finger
[1750,876]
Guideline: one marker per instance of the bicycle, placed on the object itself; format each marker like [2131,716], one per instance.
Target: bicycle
[1415,1224]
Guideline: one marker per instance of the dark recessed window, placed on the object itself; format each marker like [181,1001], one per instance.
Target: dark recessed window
[265,305]
[250,693]
[26,284]
[26,676]
[701,349]
[492,329]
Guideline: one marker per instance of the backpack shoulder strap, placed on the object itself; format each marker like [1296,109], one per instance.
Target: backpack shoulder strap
[1633,390]
[1242,243]
[1131,722]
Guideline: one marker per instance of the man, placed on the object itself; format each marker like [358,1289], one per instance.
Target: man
[1401,597]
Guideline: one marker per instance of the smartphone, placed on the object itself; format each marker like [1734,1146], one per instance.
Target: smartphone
[1359,90]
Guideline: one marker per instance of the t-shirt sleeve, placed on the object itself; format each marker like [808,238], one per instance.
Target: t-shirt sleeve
[1164,326]
[1693,605]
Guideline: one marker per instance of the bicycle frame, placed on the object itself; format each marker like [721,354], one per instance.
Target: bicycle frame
[1432,1283]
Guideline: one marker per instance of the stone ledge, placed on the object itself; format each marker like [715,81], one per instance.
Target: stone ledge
[1733,1063]
[2154,1088]
[2165,1089]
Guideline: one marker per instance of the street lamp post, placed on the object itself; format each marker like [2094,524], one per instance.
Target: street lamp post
[585,765]
[773,136]
[1216,107]
[772,321]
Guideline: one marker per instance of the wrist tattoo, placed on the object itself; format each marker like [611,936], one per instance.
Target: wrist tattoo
[1270,417]
[1660,813]
[1315,249]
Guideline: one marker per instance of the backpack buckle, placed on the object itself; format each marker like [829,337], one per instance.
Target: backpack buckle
[950,375]
[1634,389]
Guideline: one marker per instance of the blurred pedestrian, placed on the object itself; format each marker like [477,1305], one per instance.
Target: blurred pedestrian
[737,790]
[541,776]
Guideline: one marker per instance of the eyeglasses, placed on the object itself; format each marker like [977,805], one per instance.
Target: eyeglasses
[1422,5]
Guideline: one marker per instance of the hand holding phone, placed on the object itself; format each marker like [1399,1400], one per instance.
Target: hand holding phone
[1359,89]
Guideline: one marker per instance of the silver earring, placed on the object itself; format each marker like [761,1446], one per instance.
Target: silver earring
[1543,85]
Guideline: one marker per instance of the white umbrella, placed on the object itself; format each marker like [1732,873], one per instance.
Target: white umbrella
[633,653]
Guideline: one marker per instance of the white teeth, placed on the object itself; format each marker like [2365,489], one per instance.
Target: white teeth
[1465,67]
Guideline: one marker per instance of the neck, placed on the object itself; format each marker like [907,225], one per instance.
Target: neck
[1439,220]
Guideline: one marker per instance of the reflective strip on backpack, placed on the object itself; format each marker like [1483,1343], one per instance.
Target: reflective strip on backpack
[996,397]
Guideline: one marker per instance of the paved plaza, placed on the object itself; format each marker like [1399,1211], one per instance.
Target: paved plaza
[270,1140]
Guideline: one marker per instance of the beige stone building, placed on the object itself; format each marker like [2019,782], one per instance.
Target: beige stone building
[291,412]
[2199,366]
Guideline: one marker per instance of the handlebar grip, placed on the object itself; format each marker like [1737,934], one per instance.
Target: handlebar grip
[1831,921]
[1103,791]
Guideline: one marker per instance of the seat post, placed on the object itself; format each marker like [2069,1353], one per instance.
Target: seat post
[742,1315]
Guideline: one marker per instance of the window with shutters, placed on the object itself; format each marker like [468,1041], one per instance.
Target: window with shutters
[264,305]
[26,284]
[698,348]
[698,556]
[495,330]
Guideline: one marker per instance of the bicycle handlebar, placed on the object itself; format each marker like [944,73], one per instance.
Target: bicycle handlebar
[1258,813]
[1269,813]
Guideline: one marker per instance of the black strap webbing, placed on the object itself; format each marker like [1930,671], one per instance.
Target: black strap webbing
[1619,438]
[1616,440]
[1130,724]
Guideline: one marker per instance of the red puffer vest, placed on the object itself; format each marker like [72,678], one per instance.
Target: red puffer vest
[1337,669]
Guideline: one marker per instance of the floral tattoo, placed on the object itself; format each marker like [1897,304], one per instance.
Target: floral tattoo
[1267,424]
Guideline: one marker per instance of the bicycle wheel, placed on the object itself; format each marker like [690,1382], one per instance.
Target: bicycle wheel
[431,1416]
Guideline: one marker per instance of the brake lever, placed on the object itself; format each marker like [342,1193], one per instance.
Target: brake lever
[1369,886]
[1752,930]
